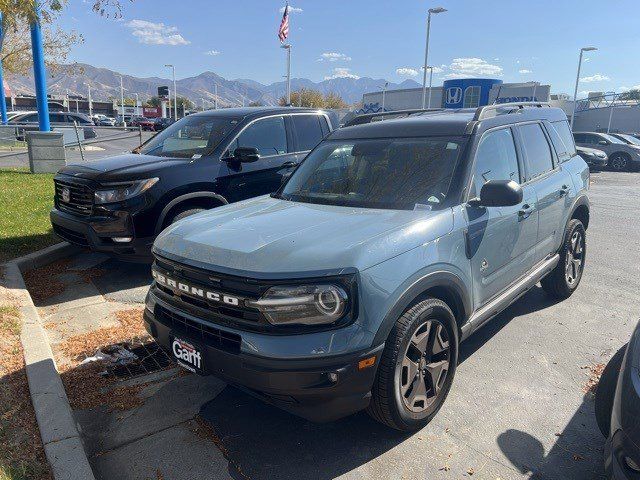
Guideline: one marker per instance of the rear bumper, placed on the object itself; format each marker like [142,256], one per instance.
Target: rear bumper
[95,233]
[319,389]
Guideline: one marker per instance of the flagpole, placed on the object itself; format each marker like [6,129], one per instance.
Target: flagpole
[287,47]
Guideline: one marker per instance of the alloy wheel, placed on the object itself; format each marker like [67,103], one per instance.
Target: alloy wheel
[619,163]
[575,258]
[425,366]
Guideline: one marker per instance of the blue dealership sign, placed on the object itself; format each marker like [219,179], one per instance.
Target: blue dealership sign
[467,92]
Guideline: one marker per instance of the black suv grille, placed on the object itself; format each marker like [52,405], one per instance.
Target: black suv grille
[80,201]
[214,337]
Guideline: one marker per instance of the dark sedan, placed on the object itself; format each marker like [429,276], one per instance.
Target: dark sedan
[618,411]
[29,122]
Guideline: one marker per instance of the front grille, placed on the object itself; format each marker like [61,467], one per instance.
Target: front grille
[213,337]
[80,201]
[71,236]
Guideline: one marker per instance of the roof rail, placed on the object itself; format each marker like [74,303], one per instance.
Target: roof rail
[369,117]
[511,107]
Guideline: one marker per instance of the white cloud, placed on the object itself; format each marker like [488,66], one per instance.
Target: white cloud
[407,72]
[291,10]
[472,67]
[524,71]
[598,77]
[334,57]
[151,33]
[212,53]
[626,89]
[341,72]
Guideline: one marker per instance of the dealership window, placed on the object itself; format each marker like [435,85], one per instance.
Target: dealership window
[471,97]
[538,151]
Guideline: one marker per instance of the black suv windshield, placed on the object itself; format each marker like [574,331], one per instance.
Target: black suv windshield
[400,174]
[196,135]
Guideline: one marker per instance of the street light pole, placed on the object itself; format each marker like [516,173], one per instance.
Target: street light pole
[124,122]
[137,102]
[287,47]
[430,84]
[90,106]
[215,98]
[175,92]
[575,92]
[384,95]
[613,102]
[426,52]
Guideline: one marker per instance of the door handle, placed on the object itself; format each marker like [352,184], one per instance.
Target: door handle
[564,190]
[525,211]
[289,164]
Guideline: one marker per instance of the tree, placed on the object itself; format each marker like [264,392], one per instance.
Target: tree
[305,98]
[333,100]
[256,104]
[630,95]
[14,10]
[184,103]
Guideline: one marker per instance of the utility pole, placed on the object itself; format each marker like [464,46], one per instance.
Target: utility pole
[287,47]
[175,92]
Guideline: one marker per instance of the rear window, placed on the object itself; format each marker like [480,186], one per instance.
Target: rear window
[537,148]
[308,131]
[563,140]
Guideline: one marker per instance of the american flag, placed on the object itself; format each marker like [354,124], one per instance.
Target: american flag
[283,31]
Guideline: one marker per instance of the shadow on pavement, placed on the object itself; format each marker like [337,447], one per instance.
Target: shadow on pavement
[576,455]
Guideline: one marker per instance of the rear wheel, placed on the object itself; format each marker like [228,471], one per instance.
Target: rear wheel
[565,277]
[619,162]
[417,367]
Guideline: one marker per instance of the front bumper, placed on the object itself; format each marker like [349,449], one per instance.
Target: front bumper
[320,389]
[95,233]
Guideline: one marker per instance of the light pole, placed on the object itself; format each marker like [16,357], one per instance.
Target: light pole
[90,106]
[124,122]
[137,103]
[215,98]
[384,94]
[287,47]
[613,102]
[430,83]
[575,92]
[175,92]
[426,53]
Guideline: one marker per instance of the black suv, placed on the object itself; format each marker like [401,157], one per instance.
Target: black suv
[118,205]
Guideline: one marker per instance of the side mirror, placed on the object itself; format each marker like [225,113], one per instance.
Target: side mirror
[603,142]
[246,154]
[500,193]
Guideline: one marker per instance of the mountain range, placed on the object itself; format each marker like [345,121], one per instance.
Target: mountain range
[105,85]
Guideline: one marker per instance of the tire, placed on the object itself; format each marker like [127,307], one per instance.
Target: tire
[396,400]
[620,162]
[606,391]
[564,279]
[179,215]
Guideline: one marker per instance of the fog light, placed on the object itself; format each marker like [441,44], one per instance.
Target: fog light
[333,377]
[631,464]
[122,239]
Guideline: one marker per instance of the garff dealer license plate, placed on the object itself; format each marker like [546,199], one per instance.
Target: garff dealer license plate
[187,355]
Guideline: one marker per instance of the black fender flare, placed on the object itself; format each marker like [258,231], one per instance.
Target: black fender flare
[442,279]
[182,198]
[581,201]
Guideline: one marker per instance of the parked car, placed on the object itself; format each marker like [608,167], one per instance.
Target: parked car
[29,121]
[617,406]
[627,138]
[145,123]
[622,156]
[596,159]
[352,286]
[162,123]
[102,120]
[119,204]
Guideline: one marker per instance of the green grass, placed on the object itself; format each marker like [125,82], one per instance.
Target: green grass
[25,201]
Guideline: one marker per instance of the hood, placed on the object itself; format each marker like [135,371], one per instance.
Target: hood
[271,236]
[125,167]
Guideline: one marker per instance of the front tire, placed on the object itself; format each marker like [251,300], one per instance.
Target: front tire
[563,280]
[417,367]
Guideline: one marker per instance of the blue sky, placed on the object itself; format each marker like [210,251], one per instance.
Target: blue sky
[508,39]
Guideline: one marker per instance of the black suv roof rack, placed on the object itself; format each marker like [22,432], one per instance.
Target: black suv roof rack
[511,107]
[370,117]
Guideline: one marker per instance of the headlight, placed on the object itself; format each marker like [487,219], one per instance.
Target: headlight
[124,191]
[303,304]
[601,155]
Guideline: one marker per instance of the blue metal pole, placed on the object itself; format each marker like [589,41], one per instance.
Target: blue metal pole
[3,100]
[39,72]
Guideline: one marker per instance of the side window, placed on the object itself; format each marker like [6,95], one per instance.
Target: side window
[308,131]
[580,137]
[591,139]
[536,146]
[30,118]
[56,117]
[268,135]
[562,140]
[471,97]
[496,159]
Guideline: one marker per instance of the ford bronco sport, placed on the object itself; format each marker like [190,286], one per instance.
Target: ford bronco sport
[118,205]
[353,285]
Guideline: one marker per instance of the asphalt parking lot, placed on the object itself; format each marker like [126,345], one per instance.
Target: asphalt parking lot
[518,407]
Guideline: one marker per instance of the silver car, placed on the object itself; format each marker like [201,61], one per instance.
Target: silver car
[623,156]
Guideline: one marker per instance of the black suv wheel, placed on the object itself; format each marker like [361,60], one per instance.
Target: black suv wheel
[417,367]
[565,278]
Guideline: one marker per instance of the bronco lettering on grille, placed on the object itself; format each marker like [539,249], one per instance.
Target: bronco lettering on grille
[180,286]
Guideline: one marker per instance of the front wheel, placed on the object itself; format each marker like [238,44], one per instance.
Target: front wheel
[563,280]
[417,367]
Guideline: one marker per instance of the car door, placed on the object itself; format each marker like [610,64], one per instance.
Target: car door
[501,241]
[308,130]
[247,180]
[552,184]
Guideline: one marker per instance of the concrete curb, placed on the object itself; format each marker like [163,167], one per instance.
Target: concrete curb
[60,437]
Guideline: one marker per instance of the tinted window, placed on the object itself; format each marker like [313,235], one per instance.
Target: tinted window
[56,117]
[562,140]
[308,131]
[399,173]
[268,135]
[580,137]
[537,148]
[496,159]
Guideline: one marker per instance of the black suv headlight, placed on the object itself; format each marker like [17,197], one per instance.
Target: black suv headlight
[313,304]
[118,192]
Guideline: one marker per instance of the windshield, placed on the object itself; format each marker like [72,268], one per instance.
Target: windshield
[400,174]
[190,136]
[611,138]
[630,139]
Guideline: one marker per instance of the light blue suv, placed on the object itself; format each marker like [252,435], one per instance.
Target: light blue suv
[353,285]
